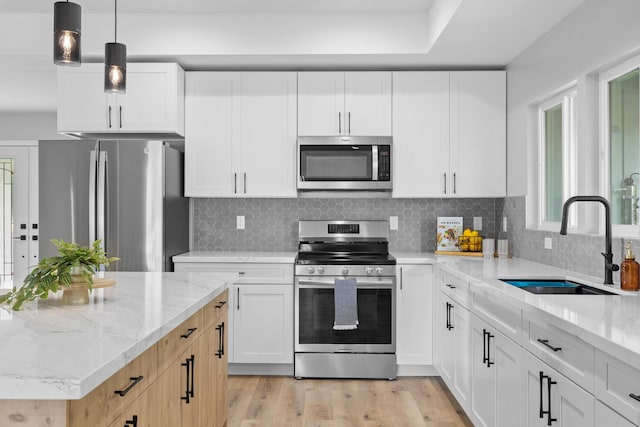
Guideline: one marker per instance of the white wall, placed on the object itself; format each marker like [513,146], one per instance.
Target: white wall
[597,35]
[29,126]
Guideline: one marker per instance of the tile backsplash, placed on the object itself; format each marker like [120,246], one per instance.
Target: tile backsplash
[271,224]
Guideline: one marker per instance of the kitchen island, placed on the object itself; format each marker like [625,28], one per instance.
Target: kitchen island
[54,356]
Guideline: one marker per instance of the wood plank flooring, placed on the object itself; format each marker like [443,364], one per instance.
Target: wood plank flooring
[256,401]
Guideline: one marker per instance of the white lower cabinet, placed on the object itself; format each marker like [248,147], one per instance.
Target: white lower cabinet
[414,319]
[552,399]
[496,393]
[606,416]
[262,323]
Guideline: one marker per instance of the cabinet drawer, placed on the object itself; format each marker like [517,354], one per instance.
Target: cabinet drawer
[566,352]
[244,270]
[615,382]
[107,401]
[174,343]
[456,288]
[215,308]
[498,313]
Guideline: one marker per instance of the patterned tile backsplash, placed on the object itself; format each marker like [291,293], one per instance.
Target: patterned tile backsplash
[573,252]
[271,224]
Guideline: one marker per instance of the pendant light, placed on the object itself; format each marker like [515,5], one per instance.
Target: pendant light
[66,33]
[115,61]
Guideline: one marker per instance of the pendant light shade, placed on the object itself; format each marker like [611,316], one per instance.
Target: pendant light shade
[115,61]
[115,67]
[66,33]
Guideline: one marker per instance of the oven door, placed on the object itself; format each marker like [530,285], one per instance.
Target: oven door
[315,315]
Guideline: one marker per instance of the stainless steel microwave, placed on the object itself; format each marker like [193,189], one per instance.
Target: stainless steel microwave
[344,163]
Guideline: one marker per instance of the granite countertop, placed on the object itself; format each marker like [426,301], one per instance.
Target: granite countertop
[611,323]
[56,352]
[237,257]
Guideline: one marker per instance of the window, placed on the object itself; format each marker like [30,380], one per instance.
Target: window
[620,112]
[557,148]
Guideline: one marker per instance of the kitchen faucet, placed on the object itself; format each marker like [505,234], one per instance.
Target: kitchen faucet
[609,266]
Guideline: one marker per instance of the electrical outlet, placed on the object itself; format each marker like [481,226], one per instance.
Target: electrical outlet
[240,222]
[547,243]
[504,224]
[477,223]
[393,223]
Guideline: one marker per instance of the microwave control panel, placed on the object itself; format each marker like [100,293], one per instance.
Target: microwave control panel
[384,163]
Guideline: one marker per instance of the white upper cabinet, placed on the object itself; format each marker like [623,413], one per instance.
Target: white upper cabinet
[153,104]
[420,133]
[344,103]
[449,134]
[240,134]
[478,134]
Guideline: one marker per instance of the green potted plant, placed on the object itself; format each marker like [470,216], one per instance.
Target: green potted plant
[74,264]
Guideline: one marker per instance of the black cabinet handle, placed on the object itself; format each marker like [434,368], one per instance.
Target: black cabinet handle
[485,359]
[549,384]
[220,329]
[542,412]
[193,370]
[222,303]
[109,116]
[489,362]
[187,395]
[546,344]
[238,299]
[134,381]
[634,396]
[223,331]
[133,422]
[450,286]
[349,115]
[120,117]
[188,333]
[449,307]
[447,316]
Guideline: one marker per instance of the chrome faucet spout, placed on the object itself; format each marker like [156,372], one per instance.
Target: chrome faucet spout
[609,266]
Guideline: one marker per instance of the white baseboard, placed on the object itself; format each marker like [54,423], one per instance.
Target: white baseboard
[417,371]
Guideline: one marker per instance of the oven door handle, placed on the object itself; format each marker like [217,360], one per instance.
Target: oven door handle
[315,283]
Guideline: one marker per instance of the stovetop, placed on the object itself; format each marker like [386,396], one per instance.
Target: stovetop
[306,258]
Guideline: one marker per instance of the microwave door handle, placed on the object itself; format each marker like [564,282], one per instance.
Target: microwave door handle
[374,166]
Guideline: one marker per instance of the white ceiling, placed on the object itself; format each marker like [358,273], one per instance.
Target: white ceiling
[275,34]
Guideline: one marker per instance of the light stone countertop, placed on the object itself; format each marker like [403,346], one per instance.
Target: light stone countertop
[54,352]
[237,257]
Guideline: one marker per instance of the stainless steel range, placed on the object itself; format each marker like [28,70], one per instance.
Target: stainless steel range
[329,254]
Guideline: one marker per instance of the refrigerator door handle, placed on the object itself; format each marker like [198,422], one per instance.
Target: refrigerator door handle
[101,198]
[92,196]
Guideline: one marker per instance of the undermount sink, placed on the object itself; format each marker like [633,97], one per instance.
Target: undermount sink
[550,286]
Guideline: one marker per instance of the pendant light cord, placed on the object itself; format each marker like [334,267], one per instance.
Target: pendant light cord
[115,15]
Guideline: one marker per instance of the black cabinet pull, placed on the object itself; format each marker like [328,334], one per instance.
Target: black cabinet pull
[109,116]
[133,422]
[485,359]
[187,395]
[238,300]
[549,418]
[542,412]
[489,362]
[120,117]
[222,342]
[220,329]
[134,381]
[546,344]
[193,370]
[634,396]
[222,303]
[448,317]
[188,333]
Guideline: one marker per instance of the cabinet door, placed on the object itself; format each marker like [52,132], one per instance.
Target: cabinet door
[478,134]
[151,101]
[82,103]
[420,133]
[483,384]
[414,305]
[194,382]
[367,103]
[506,355]
[221,373]
[263,323]
[447,351]
[143,412]
[606,416]
[320,103]
[268,135]
[460,319]
[212,126]
[568,404]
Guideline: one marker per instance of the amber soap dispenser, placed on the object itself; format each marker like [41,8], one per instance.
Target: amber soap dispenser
[629,272]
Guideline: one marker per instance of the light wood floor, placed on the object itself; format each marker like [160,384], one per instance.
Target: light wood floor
[285,401]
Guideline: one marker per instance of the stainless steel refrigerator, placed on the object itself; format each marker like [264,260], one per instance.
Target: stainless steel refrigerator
[128,193]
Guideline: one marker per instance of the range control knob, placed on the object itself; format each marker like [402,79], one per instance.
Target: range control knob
[345,271]
[311,270]
[320,270]
[369,270]
[379,270]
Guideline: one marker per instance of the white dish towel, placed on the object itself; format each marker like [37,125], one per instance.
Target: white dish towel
[345,296]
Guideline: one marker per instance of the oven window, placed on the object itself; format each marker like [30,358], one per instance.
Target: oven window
[336,163]
[317,314]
